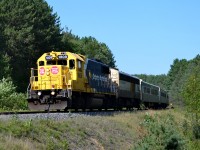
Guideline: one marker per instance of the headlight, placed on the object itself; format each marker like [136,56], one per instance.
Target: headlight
[39,93]
[53,93]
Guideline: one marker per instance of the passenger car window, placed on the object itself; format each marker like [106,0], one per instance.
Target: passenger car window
[148,90]
[163,94]
[154,92]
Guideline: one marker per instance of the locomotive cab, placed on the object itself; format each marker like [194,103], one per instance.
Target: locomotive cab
[52,82]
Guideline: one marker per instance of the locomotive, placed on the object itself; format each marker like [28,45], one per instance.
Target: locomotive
[65,80]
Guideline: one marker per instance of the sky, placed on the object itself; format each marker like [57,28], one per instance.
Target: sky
[145,36]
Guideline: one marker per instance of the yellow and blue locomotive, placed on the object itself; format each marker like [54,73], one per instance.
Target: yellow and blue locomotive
[66,80]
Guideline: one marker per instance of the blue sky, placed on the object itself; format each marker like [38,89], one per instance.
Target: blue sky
[145,36]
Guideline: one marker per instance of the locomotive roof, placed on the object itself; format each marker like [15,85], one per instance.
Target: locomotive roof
[127,77]
[126,74]
[78,56]
[97,61]
[150,84]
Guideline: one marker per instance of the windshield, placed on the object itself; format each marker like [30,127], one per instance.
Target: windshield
[58,62]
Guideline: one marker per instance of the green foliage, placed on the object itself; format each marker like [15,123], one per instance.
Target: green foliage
[177,79]
[89,47]
[35,130]
[191,94]
[196,131]
[161,134]
[29,29]
[191,132]
[93,49]
[9,99]
[5,66]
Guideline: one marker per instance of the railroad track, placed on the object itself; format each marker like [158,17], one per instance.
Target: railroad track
[94,111]
[55,115]
[25,112]
[60,115]
[69,111]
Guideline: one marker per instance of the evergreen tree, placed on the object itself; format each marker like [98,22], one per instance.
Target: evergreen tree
[176,79]
[30,29]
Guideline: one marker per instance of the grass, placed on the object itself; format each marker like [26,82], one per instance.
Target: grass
[134,130]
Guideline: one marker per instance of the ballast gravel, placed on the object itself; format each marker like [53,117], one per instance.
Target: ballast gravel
[55,116]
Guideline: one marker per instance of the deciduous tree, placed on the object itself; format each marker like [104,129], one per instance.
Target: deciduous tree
[191,94]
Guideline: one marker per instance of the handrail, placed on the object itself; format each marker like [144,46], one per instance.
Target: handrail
[28,89]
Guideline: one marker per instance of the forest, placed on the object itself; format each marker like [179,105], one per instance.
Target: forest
[23,23]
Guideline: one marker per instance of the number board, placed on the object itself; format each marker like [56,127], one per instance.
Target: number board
[48,57]
[62,56]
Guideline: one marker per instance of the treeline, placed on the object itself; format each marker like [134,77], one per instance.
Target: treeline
[30,28]
[176,79]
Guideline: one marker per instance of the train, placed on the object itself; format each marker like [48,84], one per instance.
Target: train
[66,80]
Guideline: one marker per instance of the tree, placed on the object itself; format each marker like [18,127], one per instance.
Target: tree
[89,47]
[5,67]
[93,49]
[9,98]
[191,94]
[176,79]
[29,28]
[177,69]
[71,42]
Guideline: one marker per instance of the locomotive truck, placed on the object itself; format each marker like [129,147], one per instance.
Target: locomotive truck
[65,80]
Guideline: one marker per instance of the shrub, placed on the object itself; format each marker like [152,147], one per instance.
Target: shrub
[196,131]
[161,133]
[9,99]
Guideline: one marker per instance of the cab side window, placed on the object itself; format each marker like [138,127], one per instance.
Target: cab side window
[71,64]
[79,65]
[41,63]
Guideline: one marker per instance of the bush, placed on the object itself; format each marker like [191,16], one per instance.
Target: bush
[9,99]
[196,131]
[161,133]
